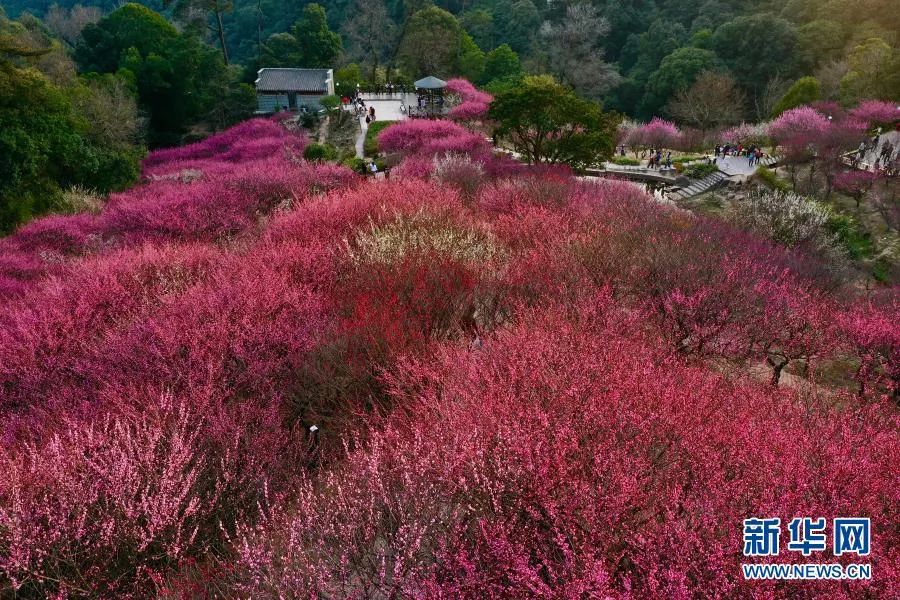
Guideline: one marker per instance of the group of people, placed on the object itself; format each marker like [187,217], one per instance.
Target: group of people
[656,159]
[754,154]
[360,106]
[887,159]
[387,89]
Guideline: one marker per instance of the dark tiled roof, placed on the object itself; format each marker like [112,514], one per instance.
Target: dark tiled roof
[312,81]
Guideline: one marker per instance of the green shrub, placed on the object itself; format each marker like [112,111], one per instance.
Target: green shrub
[309,120]
[357,165]
[770,179]
[370,145]
[700,170]
[624,160]
[320,152]
[856,242]
[330,102]
[881,270]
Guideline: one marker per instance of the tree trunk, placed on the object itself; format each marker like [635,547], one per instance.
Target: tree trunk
[259,16]
[374,66]
[777,367]
[221,32]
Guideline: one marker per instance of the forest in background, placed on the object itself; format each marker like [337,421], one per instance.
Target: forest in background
[635,56]
[87,88]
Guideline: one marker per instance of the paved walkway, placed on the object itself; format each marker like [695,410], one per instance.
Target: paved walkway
[385,110]
[868,160]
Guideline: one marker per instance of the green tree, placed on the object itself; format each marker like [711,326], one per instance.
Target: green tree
[479,23]
[36,140]
[804,91]
[53,136]
[179,79]
[547,122]
[874,72]
[820,41]
[471,58]
[676,73]
[500,63]
[281,50]
[319,46]
[661,39]
[431,44]
[196,12]
[516,23]
[131,26]
[756,49]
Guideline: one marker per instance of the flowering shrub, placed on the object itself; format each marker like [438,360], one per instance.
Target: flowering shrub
[459,171]
[565,449]
[746,134]
[797,126]
[658,133]
[227,145]
[413,167]
[478,378]
[875,335]
[785,217]
[430,137]
[465,90]
[102,506]
[855,183]
[473,105]
[876,112]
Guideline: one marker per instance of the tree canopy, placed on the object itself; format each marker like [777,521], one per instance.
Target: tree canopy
[178,78]
[547,122]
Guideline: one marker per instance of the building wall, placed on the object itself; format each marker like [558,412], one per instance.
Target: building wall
[267,103]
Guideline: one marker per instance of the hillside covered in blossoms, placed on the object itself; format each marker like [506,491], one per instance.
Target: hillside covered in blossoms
[256,376]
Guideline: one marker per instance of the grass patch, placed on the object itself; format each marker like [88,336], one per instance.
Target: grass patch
[370,145]
[700,170]
[770,179]
[856,242]
[625,161]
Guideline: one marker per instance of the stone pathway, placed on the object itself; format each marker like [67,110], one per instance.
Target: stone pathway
[868,160]
[698,187]
[740,165]
[385,110]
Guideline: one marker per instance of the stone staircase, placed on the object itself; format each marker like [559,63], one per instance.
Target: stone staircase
[698,187]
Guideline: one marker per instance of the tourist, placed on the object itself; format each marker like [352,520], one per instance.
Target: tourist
[669,160]
[372,113]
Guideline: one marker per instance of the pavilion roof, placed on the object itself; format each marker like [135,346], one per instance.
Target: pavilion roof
[430,83]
